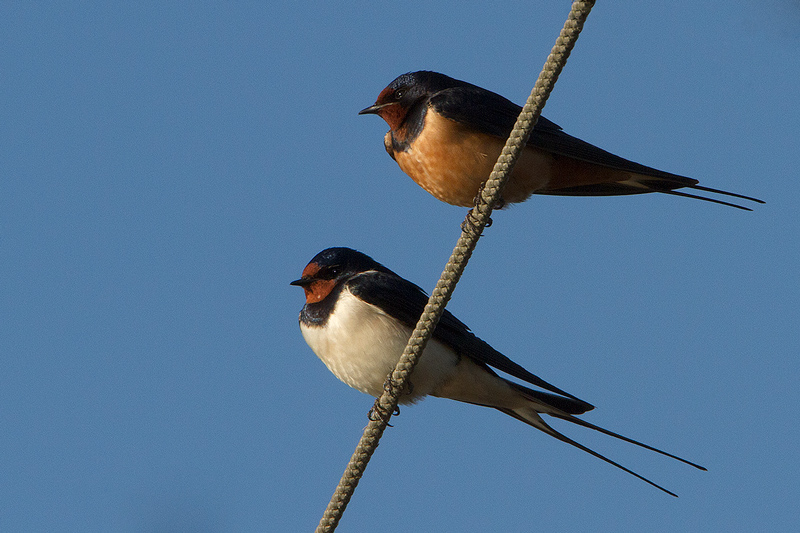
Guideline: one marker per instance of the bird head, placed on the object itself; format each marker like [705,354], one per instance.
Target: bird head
[331,267]
[395,101]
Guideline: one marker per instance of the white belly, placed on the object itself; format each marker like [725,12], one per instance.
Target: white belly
[361,345]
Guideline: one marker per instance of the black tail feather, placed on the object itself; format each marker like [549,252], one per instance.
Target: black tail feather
[580,446]
[584,423]
[696,197]
[563,438]
[726,193]
[666,188]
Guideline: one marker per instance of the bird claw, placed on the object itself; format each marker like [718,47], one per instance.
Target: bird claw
[499,203]
[378,413]
[389,384]
[470,225]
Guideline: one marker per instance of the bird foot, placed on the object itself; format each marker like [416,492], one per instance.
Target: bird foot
[389,384]
[499,203]
[377,413]
[471,225]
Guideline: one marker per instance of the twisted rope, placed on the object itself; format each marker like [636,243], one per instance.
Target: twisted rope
[476,221]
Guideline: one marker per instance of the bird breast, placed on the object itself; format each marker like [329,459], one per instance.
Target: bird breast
[361,345]
[451,161]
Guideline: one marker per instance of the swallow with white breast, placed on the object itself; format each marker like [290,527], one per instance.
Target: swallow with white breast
[358,317]
[447,134]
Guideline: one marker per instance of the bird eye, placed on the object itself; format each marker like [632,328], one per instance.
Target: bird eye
[399,94]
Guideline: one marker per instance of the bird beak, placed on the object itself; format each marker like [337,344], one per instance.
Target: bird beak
[374,109]
[302,282]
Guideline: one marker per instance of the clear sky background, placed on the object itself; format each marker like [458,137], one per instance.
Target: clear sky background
[167,169]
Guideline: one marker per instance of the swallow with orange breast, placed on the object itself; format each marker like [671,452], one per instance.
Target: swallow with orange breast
[447,134]
[359,316]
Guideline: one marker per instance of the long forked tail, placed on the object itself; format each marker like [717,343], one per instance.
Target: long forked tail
[541,425]
[714,200]
[584,423]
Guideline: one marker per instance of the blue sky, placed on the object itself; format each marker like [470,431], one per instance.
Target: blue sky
[168,168]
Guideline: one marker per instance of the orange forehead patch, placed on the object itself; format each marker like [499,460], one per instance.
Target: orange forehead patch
[310,270]
[384,95]
[318,289]
[393,114]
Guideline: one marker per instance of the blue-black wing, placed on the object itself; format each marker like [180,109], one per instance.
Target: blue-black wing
[405,301]
[493,114]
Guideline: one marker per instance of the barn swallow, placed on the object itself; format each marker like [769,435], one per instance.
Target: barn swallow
[358,317]
[447,134]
